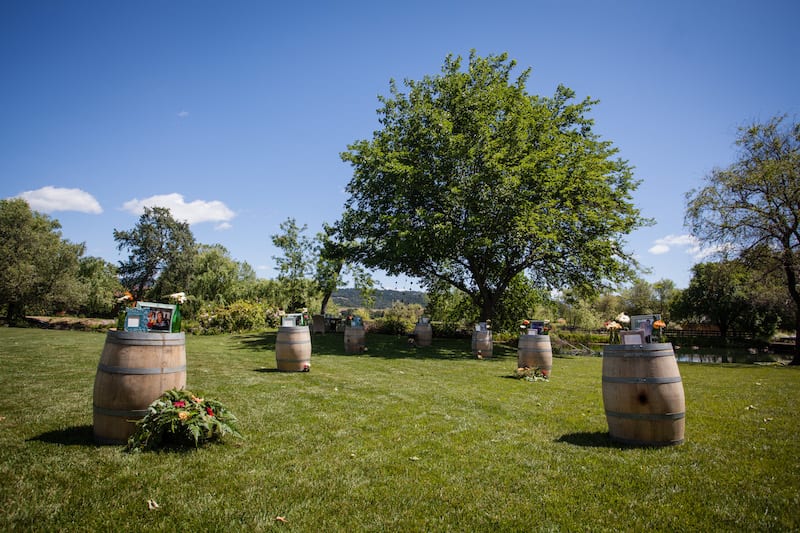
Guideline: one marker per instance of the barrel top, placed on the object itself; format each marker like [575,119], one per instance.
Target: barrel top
[145,338]
[655,349]
[292,329]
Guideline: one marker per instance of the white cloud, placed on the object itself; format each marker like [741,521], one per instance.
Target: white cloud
[193,212]
[690,245]
[183,114]
[659,249]
[50,199]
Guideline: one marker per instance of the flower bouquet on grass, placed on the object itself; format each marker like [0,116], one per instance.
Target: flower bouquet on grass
[179,418]
[531,374]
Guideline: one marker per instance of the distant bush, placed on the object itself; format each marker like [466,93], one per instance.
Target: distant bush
[400,319]
[450,330]
[236,317]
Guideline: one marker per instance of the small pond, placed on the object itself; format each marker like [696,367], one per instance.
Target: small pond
[688,354]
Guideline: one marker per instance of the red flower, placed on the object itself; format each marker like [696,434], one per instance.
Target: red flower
[209,411]
[179,404]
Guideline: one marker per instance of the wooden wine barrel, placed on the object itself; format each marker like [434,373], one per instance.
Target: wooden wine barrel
[135,369]
[643,394]
[535,351]
[354,339]
[482,342]
[318,324]
[423,334]
[293,349]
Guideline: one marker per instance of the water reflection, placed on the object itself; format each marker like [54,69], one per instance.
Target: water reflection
[697,358]
[724,357]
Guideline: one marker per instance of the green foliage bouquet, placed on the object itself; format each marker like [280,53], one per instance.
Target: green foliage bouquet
[179,418]
[531,374]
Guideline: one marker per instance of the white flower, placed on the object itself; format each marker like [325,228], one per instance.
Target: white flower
[180,296]
[622,318]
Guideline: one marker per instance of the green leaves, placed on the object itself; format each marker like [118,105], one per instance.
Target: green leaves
[472,181]
[179,418]
[161,254]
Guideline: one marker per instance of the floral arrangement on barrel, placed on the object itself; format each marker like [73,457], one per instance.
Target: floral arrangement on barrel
[178,418]
[354,321]
[179,298]
[124,301]
[542,326]
[613,328]
[660,325]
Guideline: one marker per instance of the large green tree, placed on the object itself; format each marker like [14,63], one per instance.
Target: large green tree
[471,181]
[100,286]
[334,268]
[296,264]
[753,206]
[39,270]
[716,295]
[731,295]
[161,252]
[217,277]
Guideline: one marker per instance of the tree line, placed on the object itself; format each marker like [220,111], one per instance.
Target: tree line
[494,199]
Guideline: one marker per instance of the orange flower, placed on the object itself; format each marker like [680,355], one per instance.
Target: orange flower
[659,324]
[183,415]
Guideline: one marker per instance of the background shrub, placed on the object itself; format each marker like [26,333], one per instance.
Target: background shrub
[237,317]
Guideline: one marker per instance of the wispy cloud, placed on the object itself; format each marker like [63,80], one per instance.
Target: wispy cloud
[51,199]
[665,244]
[689,244]
[193,212]
[183,114]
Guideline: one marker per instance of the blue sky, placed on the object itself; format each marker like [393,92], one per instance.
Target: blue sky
[233,114]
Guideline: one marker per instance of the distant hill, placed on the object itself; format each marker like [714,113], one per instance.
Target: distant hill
[383,298]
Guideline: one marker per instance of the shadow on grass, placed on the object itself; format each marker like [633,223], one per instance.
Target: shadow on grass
[73,436]
[381,346]
[590,439]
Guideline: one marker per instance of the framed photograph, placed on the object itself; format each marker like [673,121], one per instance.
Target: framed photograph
[645,324]
[159,316]
[538,326]
[632,337]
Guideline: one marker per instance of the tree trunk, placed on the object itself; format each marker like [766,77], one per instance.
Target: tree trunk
[14,311]
[796,358]
[791,278]
[325,299]
[487,306]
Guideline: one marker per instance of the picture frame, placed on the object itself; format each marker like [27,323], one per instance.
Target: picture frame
[538,327]
[645,324]
[632,336]
[159,316]
[135,319]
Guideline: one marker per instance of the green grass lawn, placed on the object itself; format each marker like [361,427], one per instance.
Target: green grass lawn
[397,439]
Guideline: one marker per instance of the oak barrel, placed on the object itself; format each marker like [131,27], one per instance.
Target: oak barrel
[643,394]
[135,369]
[354,339]
[293,349]
[482,342]
[535,351]
[423,334]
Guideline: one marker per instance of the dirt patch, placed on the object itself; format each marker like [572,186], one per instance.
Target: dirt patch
[67,322]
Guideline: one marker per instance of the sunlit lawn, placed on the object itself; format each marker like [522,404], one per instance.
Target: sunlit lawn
[397,439]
